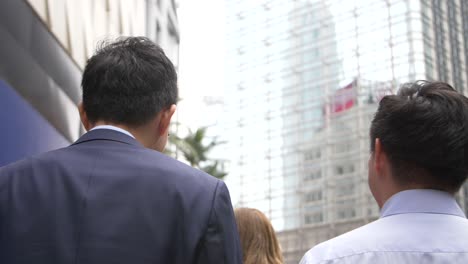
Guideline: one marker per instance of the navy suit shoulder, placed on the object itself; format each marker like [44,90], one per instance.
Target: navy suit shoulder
[106,199]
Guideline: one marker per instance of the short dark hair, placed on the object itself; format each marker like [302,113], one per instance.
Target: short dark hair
[424,131]
[128,82]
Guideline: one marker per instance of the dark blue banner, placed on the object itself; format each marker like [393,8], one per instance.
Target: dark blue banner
[23,131]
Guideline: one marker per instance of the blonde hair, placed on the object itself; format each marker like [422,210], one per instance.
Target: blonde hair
[257,237]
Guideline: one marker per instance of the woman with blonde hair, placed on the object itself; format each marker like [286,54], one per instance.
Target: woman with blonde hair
[257,237]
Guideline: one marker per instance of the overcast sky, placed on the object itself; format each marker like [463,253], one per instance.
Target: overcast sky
[201,58]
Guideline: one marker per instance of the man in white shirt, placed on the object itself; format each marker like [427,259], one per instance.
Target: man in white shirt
[419,160]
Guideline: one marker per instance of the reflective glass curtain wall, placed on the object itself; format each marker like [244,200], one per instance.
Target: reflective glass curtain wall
[303,79]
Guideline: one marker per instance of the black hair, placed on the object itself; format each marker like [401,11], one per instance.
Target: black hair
[424,131]
[128,82]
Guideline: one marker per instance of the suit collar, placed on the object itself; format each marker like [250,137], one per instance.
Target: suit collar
[113,128]
[107,134]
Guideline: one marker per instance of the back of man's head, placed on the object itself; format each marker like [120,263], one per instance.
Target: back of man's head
[128,82]
[424,132]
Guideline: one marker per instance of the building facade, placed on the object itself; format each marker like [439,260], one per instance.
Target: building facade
[303,80]
[80,25]
[162,27]
[45,45]
[35,74]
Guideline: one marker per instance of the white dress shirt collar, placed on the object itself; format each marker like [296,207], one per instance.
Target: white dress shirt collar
[421,201]
[113,128]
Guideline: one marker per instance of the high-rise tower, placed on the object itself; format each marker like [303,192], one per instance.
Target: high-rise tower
[303,79]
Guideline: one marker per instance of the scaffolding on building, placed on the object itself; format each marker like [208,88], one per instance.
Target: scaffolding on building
[304,80]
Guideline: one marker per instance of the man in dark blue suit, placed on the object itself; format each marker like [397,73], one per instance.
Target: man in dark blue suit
[110,197]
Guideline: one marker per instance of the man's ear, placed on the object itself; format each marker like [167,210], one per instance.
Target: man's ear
[165,119]
[84,117]
[380,158]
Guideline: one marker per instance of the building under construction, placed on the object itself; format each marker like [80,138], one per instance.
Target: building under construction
[303,80]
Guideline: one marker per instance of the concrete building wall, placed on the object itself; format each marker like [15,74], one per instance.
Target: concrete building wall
[79,25]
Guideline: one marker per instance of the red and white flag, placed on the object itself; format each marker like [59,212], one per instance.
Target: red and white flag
[344,98]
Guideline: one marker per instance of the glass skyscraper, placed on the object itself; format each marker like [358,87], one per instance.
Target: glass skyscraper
[303,80]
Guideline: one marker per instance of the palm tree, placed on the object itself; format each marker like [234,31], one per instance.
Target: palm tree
[213,169]
[195,151]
